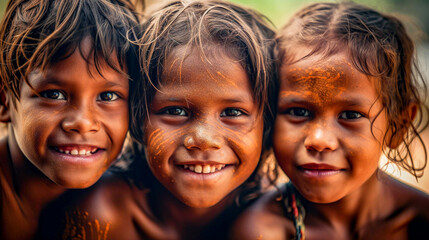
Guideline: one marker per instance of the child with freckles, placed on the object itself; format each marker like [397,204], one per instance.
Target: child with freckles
[198,121]
[349,92]
[64,96]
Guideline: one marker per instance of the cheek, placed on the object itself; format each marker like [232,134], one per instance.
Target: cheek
[283,135]
[249,146]
[161,144]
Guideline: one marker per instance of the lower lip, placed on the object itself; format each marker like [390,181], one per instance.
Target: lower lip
[317,173]
[77,159]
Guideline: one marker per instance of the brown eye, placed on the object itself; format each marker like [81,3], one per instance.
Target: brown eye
[231,112]
[350,115]
[298,112]
[107,96]
[53,94]
[177,111]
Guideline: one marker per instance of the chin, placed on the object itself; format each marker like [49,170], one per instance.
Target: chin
[200,202]
[75,182]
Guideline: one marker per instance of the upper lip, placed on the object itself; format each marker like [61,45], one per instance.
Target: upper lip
[318,166]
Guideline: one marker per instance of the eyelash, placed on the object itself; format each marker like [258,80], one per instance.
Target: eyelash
[305,113]
[50,94]
[178,111]
[113,96]
[302,112]
[236,113]
[59,95]
[347,116]
[168,111]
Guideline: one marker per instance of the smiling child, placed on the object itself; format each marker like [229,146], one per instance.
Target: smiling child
[198,124]
[64,95]
[349,92]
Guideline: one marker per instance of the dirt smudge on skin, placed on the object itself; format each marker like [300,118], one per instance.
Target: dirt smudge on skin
[321,83]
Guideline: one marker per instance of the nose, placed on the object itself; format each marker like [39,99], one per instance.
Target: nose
[321,138]
[203,136]
[81,119]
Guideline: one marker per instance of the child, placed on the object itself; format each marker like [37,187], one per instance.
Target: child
[348,93]
[198,121]
[64,94]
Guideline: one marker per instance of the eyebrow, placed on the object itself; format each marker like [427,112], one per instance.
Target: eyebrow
[40,79]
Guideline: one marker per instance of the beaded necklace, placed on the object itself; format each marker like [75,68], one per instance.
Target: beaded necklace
[295,211]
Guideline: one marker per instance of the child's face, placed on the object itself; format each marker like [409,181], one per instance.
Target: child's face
[322,136]
[77,125]
[204,133]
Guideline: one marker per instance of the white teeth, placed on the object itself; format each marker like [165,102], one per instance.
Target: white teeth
[75,152]
[198,169]
[204,168]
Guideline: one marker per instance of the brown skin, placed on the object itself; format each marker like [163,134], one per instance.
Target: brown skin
[331,156]
[204,114]
[69,110]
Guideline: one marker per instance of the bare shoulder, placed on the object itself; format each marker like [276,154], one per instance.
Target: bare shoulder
[406,195]
[264,219]
[410,207]
[106,211]
[102,211]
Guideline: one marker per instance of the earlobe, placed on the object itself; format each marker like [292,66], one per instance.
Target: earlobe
[407,117]
[4,107]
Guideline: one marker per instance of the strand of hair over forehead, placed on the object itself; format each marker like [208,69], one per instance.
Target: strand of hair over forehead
[160,23]
[35,14]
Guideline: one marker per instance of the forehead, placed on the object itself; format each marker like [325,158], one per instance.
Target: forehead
[209,67]
[323,76]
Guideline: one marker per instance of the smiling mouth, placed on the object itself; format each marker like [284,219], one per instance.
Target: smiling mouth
[197,168]
[76,151]
[319,170]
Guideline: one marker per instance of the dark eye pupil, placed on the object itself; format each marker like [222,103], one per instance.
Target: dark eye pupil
[176,111]
[53,94]
[299,112]
[352,115]
[233,112]
[106,96]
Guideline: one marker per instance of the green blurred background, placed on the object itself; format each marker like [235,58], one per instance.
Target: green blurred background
[414,14]
[280,10]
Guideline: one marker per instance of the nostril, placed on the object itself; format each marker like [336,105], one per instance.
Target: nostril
[202,140]
[321,140]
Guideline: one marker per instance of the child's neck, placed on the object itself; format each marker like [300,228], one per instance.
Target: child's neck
[33,189]
[352,212]
[187,221]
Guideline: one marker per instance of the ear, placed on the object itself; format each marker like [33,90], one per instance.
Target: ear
[407,117]
[4,107]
